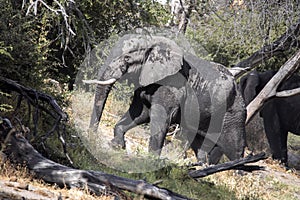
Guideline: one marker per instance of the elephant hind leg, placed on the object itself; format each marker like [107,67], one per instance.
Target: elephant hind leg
[232,138]
[159,123]
[215,155]
[206,152]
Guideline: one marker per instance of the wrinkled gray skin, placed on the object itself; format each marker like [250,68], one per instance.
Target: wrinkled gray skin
[175,86]
[280,115]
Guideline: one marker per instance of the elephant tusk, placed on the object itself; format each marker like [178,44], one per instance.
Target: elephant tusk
[235,71]
[107,82]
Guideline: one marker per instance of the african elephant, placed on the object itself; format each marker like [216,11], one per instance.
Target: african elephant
[280,115]
[169,80]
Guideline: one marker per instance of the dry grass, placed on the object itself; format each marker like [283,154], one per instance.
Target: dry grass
[135,158]
[274,182]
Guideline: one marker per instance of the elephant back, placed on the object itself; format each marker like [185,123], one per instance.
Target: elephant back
[213,78]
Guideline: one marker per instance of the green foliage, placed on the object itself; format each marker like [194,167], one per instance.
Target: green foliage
[5,107]
[230,35]
[123,92]
[4,51]
[115,16]
[22,56]
[39,44]
[36,44]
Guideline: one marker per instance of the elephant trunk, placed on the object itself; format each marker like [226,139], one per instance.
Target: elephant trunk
[101,95]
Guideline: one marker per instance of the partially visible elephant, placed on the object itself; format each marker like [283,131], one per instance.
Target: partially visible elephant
[280,115]
[172,84]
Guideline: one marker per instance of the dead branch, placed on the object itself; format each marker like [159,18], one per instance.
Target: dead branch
[68,11]
[33,98]
[33,95]
[61,10]
[185,16]
[236,164]
[270,88]
[20,150]
[288,93]
[282,44]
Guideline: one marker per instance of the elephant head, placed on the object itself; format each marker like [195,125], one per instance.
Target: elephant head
[147,59]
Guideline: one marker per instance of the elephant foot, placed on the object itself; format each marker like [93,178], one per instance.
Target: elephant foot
[202,156]
[283,160]
[117,143]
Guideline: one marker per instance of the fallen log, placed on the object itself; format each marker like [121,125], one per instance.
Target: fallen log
[235,164]
[15,190]
[19,150]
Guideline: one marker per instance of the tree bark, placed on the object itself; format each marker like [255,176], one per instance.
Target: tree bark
[20,150]
[185,16]
[15,190]
[288,93]
[236,164]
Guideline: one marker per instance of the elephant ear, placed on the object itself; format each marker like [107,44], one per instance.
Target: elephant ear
[250,86]
[163,58]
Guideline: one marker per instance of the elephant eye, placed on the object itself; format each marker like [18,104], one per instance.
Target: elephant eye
[123,68]
[127,59]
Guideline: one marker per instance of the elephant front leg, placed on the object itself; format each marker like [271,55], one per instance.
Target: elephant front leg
[159,122]
[119,132]
[136,115]
[274,134]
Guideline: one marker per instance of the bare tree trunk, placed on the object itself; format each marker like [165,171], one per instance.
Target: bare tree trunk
[181,11]
[185,16]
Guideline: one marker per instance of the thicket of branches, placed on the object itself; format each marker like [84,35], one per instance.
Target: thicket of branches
[49,39]
[43,42]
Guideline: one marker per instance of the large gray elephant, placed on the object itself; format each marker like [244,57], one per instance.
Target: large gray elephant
[174,85]
[161,105]
[280,115]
